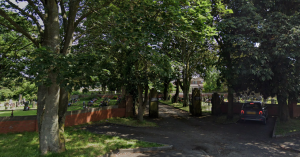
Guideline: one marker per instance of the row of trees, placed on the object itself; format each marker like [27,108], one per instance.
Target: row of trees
[117,43]
[79,43]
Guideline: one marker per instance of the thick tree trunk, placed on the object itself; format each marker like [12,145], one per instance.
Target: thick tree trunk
[49,96]
[186,89]
[63,107]
[230,103]
[166,89]
[49,128]
[142,102]
[283,108]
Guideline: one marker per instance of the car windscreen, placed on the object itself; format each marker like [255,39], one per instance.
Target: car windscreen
[254,106]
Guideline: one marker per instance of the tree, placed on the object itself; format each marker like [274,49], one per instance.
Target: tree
[53,36]
[259,51]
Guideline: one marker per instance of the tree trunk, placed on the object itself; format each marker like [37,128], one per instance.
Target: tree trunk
[103,89]
[123,89]
[49,96]
[49,128]
[177,91]
[63,107]
[186,89]
[283,108]
[230,103]
[166,89]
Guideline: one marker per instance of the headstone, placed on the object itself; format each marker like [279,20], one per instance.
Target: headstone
[13,105]
[10,101]
[17,104]
[195,108]
[153,104]
[20,97]
[6,105]
[33,104]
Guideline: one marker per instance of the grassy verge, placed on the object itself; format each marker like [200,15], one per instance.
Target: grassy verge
[284,128]
[131,122]
[78,143]
[205,107]
[122,121]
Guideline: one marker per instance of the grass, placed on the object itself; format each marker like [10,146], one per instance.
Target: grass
[284,128]
[131,122]
[122,121]
[205,107]
[78,143]
[73,107]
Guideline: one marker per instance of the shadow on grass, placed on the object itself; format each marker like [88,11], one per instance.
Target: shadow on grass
[78,143]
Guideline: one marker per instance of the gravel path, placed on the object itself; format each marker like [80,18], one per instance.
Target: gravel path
[200,136]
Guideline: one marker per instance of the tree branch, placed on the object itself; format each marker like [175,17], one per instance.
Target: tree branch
[64,15]
[26,14]
[30,2]
[89,13]
[13,43]
[17,28]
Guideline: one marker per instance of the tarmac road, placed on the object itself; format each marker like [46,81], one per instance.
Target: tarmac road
[200,136]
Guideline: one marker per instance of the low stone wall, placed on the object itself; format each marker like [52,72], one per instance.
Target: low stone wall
[29,123]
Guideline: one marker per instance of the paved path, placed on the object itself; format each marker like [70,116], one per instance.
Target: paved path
[199,136]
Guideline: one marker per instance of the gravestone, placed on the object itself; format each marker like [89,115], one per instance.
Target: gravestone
[20,98]
[153,104]
[6,105]
[216,104]
[33,104]
[17,104]
[10,101]
[13,105]
[195,108]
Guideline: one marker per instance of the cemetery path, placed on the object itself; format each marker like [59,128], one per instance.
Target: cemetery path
[200,136]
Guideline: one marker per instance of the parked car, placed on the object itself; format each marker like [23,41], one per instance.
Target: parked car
[254,111]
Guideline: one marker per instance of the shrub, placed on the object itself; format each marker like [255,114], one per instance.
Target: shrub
[115,97]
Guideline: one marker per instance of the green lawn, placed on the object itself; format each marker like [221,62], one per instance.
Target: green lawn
[283,128]
[78,143]
[205,107]
[73,107]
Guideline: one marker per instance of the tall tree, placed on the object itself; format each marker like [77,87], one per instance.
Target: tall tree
[55,23]
[259,43]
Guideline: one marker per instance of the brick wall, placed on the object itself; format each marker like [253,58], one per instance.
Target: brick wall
[29,123]
[272,108]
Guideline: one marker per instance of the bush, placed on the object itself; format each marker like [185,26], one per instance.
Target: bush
[76,92]
[115,97]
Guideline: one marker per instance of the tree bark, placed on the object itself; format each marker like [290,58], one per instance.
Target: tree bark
[49,128]
[49,96]
[142,103]
[177,91]
[283,108]
[166,89]
[230,103]
[186,89]
[63,107]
